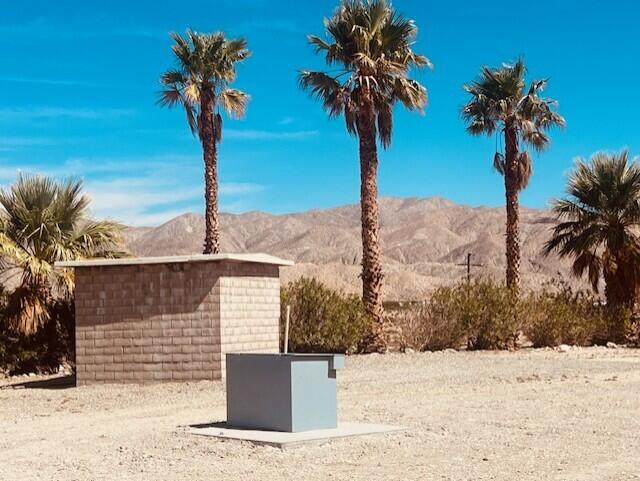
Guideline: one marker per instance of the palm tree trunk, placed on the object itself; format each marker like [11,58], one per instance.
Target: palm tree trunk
[209,148]
[620,295]
[620,285]
[512,190]
[611,289]
[371,265]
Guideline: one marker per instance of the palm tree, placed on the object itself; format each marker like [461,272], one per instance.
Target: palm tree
[41,222]
[206,68]
[370,45]
[598,225]
[499,100]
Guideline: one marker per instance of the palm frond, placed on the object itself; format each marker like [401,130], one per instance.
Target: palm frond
[412,95]
[42,222]
[597,223]
[236,50]
[373,46]
[206,66]
[498,100]
[498,163]
[96,239]
[319,44]
[385,122]
[325,88]
[217,128]
[169,97]
[27,309]
[524,170]
[234,102]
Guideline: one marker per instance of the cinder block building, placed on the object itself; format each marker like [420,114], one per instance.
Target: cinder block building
[172,318]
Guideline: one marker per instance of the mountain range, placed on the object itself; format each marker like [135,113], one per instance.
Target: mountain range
[425,242]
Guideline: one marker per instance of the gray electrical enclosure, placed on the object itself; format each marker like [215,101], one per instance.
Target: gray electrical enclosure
[282,392]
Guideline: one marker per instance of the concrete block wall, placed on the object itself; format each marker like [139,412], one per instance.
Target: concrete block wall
[173,321]
[249,310]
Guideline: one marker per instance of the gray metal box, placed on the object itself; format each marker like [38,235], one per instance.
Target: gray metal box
[282,392]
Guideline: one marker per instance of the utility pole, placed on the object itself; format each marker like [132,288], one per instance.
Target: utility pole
[469,265]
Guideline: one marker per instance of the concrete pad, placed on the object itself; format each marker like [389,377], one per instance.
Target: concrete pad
[288,440]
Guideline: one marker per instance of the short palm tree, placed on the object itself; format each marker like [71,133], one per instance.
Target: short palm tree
[370,45]
[598,225]
[41,222]
[206,68]
[501,101]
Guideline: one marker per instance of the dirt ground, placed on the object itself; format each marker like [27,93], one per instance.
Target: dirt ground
[530,415]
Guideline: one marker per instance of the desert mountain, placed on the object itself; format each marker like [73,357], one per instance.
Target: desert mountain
[423,241]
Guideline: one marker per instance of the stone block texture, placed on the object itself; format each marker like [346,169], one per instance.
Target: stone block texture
[172,322]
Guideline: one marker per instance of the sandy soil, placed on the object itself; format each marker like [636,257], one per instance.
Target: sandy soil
[531,415]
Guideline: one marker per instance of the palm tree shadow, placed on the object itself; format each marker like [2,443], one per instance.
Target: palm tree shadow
[61,382]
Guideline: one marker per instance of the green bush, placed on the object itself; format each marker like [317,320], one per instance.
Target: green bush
[480,314]
[485,315]
[426,326]
[322,319]
[485,310]
[558,315]
[634,333]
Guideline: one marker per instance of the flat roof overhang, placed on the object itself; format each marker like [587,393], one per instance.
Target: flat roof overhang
[257,258]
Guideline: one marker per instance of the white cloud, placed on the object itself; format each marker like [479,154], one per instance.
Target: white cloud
[134,165]
[286,120]
[250,134]
[8,144]
[146,201]
[239,188]
[283,25]
[90,167]
[143,191]
[154,190]
[142,219]
[50,81]
[139,202]
[7,173]
[43,28]
[13,114]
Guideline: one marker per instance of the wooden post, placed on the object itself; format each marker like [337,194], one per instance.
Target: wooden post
[286,330]
[468,265]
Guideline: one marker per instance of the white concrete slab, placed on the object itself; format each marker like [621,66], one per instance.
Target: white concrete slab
[289,440]
[255,258]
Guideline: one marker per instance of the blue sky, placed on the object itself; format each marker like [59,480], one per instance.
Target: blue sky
[78,86]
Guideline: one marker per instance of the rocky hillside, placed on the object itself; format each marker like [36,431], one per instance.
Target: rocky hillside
[423,240]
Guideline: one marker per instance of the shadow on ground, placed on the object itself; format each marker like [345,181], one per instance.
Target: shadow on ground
[215,424]
[60,382]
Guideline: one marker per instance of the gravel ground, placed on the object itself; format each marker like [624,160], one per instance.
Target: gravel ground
[529,415]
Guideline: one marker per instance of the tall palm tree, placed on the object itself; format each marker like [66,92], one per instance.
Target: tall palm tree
[206,68]
[370,45]
[500,100]
[598,224]
[41,222]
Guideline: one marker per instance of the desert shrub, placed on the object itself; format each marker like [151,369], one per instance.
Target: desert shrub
[323,319]
[487,311]
[485,315]
[43,351]
[424,326]
[633,337]
[558,315]
[481,314]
